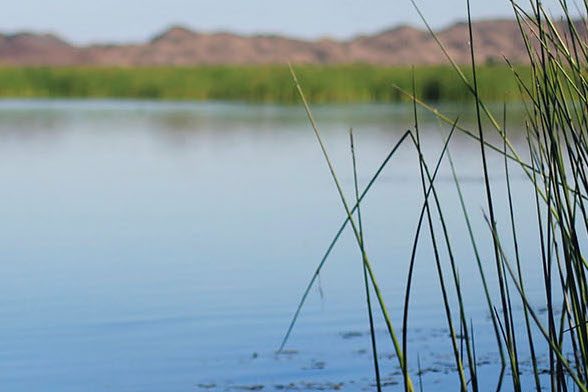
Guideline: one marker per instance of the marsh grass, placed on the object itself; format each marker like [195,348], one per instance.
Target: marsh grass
[556,170]
[270,83]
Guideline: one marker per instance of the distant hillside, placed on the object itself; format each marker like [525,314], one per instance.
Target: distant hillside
[402,45]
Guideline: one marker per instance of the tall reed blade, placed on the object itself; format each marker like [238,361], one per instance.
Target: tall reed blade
[365,273]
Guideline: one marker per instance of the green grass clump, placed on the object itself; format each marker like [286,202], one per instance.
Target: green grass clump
[323,84]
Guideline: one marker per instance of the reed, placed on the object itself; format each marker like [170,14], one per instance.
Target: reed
[555,94]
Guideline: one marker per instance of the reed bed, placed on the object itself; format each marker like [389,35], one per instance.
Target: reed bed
[323,84]
[555,166]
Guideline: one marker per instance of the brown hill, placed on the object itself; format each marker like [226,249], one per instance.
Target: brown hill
[402,45]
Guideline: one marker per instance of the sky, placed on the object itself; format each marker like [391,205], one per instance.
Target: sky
[115,21]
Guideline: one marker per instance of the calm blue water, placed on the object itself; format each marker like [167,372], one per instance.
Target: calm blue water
[164,246]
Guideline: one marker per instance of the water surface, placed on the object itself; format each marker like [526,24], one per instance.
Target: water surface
[164,246]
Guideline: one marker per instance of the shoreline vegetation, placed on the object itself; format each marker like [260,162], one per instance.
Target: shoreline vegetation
[555,165]
[259,83]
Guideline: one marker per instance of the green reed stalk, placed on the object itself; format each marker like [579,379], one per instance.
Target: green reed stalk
[383,308]
[442,284]
[365,272]
[416,242]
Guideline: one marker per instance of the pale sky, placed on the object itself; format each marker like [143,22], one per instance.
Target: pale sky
[85,21]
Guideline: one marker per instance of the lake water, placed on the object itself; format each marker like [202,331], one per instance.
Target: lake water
[163,247]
